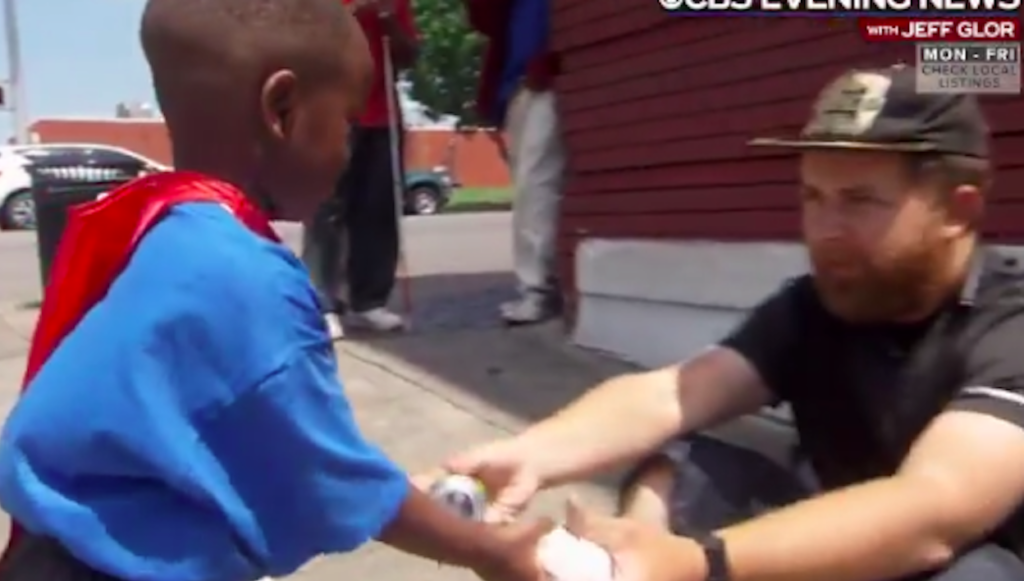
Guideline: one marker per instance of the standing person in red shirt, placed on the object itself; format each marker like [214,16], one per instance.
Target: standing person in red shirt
[516,95]
[354,240]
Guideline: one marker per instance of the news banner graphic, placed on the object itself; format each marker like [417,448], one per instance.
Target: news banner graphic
[957,55]
[851,8]
[962,46]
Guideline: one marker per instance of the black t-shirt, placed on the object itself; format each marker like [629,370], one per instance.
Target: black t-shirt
[861,394]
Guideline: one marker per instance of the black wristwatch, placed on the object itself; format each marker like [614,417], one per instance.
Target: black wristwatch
[714,554]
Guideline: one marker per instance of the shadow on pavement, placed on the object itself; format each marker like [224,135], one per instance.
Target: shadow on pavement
[458,341]
[525,373]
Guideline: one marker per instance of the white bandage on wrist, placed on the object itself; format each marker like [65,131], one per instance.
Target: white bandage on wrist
[564,557]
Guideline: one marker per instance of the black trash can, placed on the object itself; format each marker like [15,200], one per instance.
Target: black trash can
[55,189]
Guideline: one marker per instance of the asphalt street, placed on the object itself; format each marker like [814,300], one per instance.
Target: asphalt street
[467,255]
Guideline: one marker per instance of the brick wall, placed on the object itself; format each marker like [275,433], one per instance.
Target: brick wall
[474,157]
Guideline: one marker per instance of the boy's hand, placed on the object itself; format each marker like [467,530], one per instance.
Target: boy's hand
[495,552]
[517,542]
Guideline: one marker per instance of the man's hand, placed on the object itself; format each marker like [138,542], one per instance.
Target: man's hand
[510,481]
[519,559]
[640,552]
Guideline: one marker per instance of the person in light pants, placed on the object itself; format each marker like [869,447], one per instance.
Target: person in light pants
[516,94]
[537,163]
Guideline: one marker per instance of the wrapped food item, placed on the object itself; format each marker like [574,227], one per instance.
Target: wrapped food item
[565,557]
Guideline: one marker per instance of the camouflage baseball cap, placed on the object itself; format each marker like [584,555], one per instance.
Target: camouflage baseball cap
[881,110]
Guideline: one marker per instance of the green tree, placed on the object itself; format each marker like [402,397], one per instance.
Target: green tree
[444,79]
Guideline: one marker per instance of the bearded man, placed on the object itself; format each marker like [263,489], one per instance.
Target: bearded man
[182,418]
[900,355]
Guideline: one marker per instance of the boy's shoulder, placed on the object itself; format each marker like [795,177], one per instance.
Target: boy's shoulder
[201,260]
[205,240]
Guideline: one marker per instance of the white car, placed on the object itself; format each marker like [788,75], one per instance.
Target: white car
[17,209]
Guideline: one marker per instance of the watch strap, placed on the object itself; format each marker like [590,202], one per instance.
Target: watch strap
[715,556]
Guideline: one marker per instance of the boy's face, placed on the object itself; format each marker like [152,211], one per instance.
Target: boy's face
[309,123]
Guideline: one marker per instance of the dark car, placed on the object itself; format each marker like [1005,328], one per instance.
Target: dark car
[427,191]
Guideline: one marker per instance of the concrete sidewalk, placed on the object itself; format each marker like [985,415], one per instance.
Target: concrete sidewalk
[421,397]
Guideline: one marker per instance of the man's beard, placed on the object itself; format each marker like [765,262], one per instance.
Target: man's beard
[893,288]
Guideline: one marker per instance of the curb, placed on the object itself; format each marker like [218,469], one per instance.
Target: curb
[478,208]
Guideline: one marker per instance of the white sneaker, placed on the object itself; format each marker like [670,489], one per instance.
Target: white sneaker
[335,330]
[527,310]
[379,319]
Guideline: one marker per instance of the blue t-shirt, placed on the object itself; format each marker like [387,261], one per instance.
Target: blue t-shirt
[192,427]
[529,26]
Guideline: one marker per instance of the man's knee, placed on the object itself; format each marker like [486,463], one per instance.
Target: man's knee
[705,484]
[647,495]
[986,563]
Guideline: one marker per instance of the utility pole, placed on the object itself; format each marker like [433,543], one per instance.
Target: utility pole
[16,81]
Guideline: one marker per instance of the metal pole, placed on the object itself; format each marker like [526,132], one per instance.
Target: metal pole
[17,100]
[397,179]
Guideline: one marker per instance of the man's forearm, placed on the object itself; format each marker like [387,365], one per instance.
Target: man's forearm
[883,529]
[617,422]
[424,528]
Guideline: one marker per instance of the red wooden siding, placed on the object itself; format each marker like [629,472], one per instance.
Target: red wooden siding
[657,111]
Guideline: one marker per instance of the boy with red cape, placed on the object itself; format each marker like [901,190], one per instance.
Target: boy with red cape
[182,418]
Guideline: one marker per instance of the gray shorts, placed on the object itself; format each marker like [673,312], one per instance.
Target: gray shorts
[717,484]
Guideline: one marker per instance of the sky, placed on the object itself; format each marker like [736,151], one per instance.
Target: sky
[80,58]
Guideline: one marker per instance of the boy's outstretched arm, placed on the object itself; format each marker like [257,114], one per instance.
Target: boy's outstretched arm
[314,485]
[425,528]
